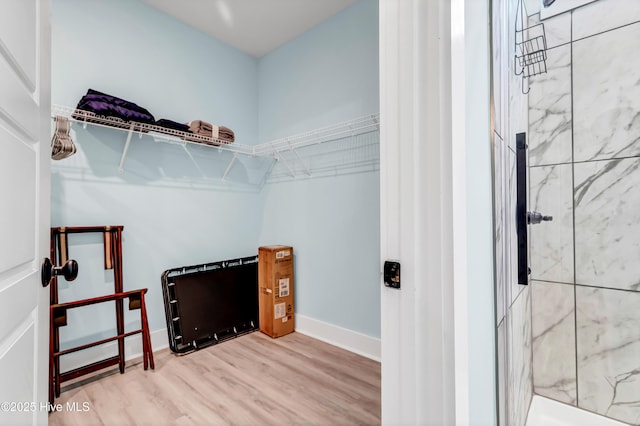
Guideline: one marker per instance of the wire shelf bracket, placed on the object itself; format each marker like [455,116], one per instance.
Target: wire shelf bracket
[126,148]
[228,169]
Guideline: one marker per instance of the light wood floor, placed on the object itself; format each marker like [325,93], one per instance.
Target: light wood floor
[250,380]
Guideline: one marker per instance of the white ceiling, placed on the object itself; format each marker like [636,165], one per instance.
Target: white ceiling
[254,26]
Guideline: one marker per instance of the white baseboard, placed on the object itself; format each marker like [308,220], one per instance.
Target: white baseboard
[352,341]
[132,350]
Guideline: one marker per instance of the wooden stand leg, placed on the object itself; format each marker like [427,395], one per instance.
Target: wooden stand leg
[120,329]
[147,351]
[56,361]
[51,357]
[116,245]
[53,298]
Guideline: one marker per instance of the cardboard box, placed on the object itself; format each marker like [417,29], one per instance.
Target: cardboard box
[275,288]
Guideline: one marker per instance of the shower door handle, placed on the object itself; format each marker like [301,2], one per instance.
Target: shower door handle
[534,218]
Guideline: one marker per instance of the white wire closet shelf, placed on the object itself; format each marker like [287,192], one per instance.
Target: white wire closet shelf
[353,154]
[345,129]
[292,151]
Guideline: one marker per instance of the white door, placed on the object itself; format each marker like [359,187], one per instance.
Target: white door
[25,50]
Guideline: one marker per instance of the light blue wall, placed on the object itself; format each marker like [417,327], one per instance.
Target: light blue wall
[327,75]
[334,226]
[172,216]
[131,50]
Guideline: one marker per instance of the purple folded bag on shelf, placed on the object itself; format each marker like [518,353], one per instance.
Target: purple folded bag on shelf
[111,106]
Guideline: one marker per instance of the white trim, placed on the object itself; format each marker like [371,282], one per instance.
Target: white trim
[132,350]
[416,209]
[474,298]
[459,211]
[349,340]
[390,303]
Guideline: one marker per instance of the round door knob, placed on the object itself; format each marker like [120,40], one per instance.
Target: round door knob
[47,271]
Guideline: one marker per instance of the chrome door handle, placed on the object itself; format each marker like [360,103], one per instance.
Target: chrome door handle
[534,218]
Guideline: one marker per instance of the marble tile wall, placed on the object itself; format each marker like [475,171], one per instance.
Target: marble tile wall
[513,301]
[604,15]
[500,185]
[502,372]
[511,258]
[551,243]
[518,104]
[553,336]
[499,212]
[608,346]
[606,80]
[607,223]
[519,379]
[584,158]
[550,124]
[499,68]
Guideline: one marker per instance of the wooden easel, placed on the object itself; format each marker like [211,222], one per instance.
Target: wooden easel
[112,237]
